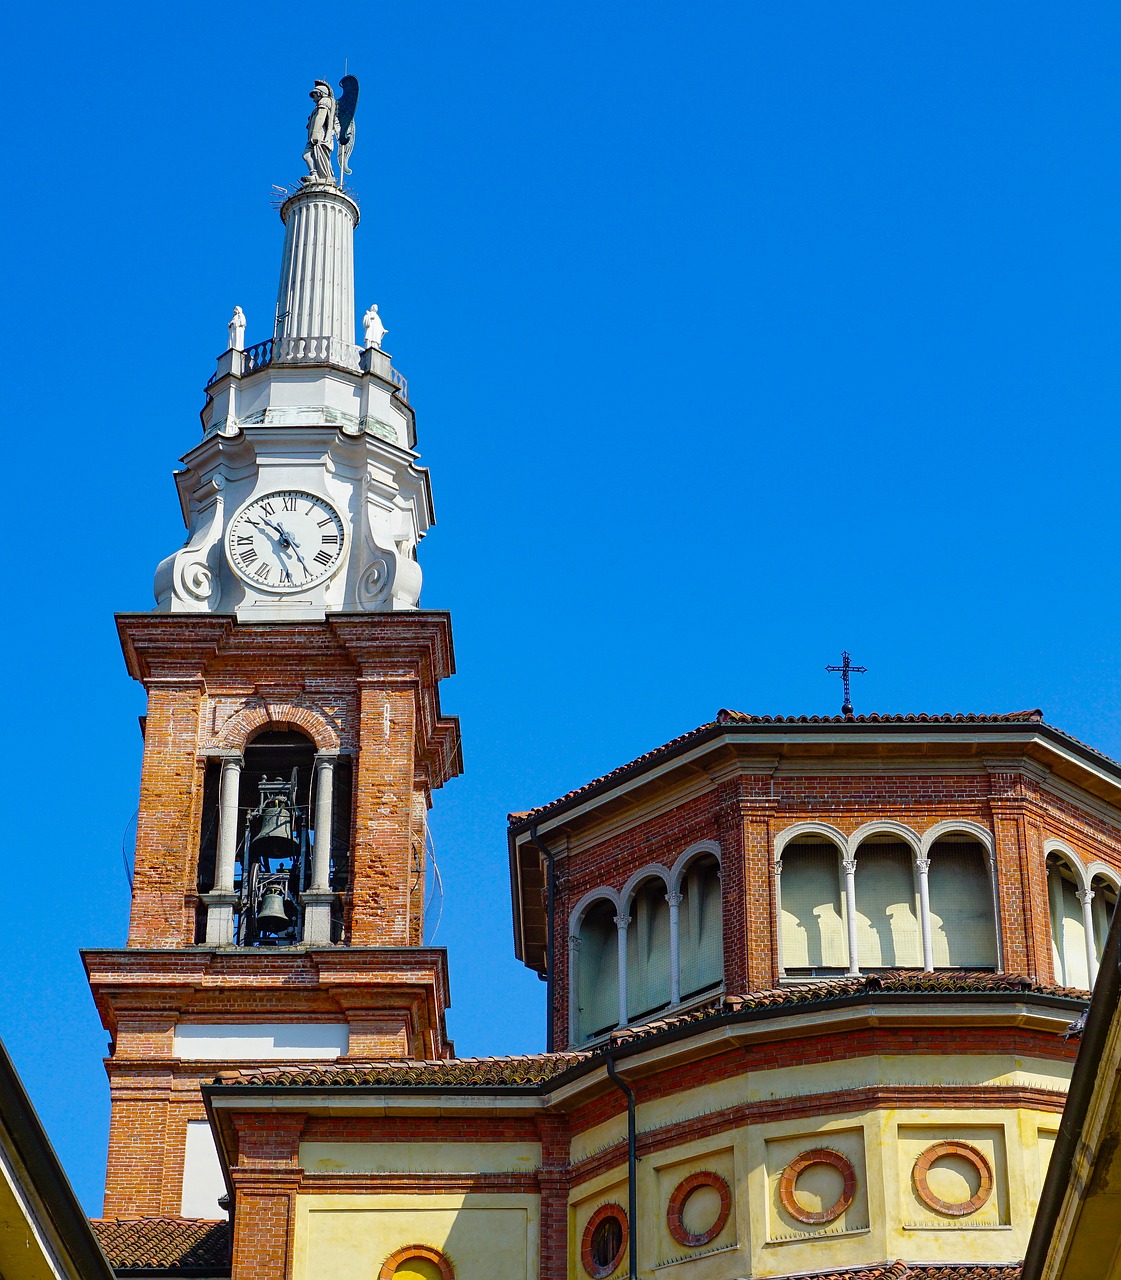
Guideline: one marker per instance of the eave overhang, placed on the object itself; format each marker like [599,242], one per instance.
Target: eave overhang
[715,752]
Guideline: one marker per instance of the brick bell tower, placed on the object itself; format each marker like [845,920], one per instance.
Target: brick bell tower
[293,735]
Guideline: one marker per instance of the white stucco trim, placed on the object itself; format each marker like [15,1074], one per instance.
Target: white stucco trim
[831,833]
[1108,874]
[578,912]
[652,871]
[1070,857]
[888,827]
[681,865]
[960,826]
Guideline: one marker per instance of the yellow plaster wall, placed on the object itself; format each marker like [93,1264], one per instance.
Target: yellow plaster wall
[493,1236]
[420,1157]
[925,1070]
[886,1219]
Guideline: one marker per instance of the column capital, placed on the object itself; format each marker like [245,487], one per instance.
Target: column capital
[622,922]
[848,866]
[674,899]
[922,865]
[1084,895]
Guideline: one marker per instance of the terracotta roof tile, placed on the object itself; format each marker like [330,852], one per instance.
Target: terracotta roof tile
[167,1244]
[532,1070]
[1033,716]
[725,716]
[918,1271]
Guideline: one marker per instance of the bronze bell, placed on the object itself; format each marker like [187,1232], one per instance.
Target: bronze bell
[271,916]
[274,838]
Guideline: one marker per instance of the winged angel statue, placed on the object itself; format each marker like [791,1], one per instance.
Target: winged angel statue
[330,118]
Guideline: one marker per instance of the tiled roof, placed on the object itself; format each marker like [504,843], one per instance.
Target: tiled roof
[532,1070]
[164,1244]
[727,717]
[1034,716]
[919,1271]
[449,1073]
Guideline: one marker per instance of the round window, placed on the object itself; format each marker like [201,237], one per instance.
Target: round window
[605,1238]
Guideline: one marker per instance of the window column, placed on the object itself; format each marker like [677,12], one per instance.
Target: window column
[848,866]
[574,1028]
[922,868]
[621,923]
[998,933]
[318,897]
[674,900]
[1086,897]
[221,899]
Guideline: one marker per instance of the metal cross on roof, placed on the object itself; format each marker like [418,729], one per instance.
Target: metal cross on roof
[846,670]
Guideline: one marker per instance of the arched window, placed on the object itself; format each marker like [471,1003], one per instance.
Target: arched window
[814,939]
[887,905]
[700,926]
[1068,925]
[648,954]
[417,1262]
[1104,905]
[962,924]
[597,972]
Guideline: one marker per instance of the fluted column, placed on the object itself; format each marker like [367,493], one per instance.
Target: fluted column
[316,294]
[220,901]
[318,898]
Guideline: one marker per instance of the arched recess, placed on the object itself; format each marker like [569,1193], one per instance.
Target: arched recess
[648,947]
[595,961]
[1104,883]
[417,1262]
[683,860]
[250,721]
[888,905]
[962,895]
[700,923]
[813,933]
[1067,884]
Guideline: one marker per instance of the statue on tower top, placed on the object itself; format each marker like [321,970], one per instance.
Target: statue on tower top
[330,119]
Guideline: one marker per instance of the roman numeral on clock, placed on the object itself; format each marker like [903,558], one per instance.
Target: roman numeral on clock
[331,538]
[322,557]
[289,501]
[322,524]
[248,554]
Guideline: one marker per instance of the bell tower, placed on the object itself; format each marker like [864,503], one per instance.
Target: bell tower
[293,735]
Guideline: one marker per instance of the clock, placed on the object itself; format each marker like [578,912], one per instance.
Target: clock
[286,541]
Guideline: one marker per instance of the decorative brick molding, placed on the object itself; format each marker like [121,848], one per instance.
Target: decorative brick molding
[679,1198]
[421,1252]
[241,727]
[601,1215]
[938,1150]
[797,1166]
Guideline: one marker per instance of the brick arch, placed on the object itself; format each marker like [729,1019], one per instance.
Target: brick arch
[421,1252]
[239,729]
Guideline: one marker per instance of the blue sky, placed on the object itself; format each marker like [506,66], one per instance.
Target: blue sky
[738,333]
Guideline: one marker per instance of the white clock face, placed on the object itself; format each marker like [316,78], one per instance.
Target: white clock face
[286,541]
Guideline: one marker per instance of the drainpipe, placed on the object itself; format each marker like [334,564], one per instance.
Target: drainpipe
[550,915]
[632,1166]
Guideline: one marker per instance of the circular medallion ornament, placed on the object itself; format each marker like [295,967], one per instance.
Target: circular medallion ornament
[286,541]
[605,1238]
[682,1194]
[789,1178]
[947,1151]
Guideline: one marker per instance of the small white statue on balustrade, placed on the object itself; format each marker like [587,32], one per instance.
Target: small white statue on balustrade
[237,330]
[375,330]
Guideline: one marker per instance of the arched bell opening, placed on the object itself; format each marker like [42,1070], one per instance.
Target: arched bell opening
[260,859]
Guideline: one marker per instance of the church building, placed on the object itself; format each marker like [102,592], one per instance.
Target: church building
[810,979]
